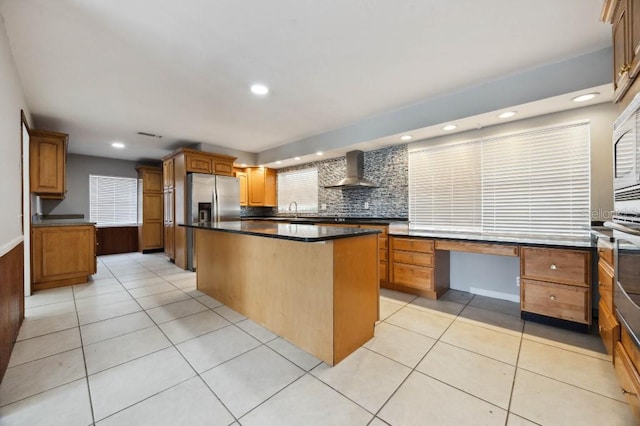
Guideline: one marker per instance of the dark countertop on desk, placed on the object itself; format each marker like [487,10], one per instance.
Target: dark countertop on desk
[286,231]
[480,237]
[39,221]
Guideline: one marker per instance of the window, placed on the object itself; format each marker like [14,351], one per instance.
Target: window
[535,182]
[300,186]
[113,200]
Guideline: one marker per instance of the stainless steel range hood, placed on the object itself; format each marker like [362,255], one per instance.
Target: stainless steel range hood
[355,173]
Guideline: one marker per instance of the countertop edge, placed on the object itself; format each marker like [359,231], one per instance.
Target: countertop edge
[360,233]
[568,243]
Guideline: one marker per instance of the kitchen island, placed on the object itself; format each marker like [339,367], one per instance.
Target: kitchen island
[315,286]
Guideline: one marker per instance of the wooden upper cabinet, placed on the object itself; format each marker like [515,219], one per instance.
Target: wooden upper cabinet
[624,16]
[47,163]
[204,162]
[199,163]
[223,165]
[243,179]
[168,173]
[621,50]
[262,187]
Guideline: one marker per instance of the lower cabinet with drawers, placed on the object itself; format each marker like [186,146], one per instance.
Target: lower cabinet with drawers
[417,267]
[556,283]
[608,325]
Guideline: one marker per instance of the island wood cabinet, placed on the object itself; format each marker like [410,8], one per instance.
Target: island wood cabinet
[62,255]
[417,267]
[608,325]
[47,163]
[257,186]
[150,209]
[624,16]
[175,167]
[556,283]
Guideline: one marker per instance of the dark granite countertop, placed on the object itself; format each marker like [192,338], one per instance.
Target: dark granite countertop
[519,239]
[287,231]
[320,219]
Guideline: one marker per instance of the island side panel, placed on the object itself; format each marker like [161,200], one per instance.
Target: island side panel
[285,286]
[356,293]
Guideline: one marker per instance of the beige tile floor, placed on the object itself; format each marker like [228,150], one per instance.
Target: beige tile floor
[139,345]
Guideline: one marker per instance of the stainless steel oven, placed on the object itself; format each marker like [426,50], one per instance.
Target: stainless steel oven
[626,292]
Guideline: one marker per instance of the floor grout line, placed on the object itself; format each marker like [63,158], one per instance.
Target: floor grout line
[84,360]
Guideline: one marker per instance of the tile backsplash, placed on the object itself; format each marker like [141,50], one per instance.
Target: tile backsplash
[387,167]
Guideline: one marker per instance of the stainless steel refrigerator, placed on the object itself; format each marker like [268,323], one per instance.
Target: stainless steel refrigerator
[210,198]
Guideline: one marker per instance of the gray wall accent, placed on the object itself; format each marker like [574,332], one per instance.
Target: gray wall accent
[581,72]
[79,167]
[488,275]
[249,158]
[387,167]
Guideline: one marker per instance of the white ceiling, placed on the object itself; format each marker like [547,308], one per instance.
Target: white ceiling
[104,70]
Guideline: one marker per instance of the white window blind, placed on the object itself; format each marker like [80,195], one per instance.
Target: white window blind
[534,182]
[444,187]
[300,186]
[113,200]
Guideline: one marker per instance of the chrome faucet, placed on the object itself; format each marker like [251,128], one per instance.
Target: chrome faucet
[296,204]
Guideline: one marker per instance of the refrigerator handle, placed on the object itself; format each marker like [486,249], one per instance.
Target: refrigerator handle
[215,210]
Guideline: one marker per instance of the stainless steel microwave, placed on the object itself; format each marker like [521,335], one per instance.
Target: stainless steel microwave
[626,153]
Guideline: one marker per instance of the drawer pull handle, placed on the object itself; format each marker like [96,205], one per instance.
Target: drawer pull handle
[553,267]
[626,392]
[552,297]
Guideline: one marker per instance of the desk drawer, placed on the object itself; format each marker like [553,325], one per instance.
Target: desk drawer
[413,244]
[384,255]
[413,258]
[413,276]
[556,300]
[628,378]
[556,265]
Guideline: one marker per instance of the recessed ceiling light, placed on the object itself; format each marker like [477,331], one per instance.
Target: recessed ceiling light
[297,158]
[278,162]
[118,145]
[449,127]
[259,89]
[507,114]
[243,165]
[406,137]
[319,153]
[585,97]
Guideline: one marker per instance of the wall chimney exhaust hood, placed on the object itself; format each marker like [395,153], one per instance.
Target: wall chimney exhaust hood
[355,173]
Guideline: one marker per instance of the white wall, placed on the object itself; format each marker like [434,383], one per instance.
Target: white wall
[12,100]
[495,276]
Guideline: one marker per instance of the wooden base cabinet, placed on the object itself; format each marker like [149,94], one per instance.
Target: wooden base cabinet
[608,325]
[556,283]
[625,362]
[62,255]
[413,267]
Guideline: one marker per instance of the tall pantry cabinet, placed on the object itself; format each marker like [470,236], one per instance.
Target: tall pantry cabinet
[150,208]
